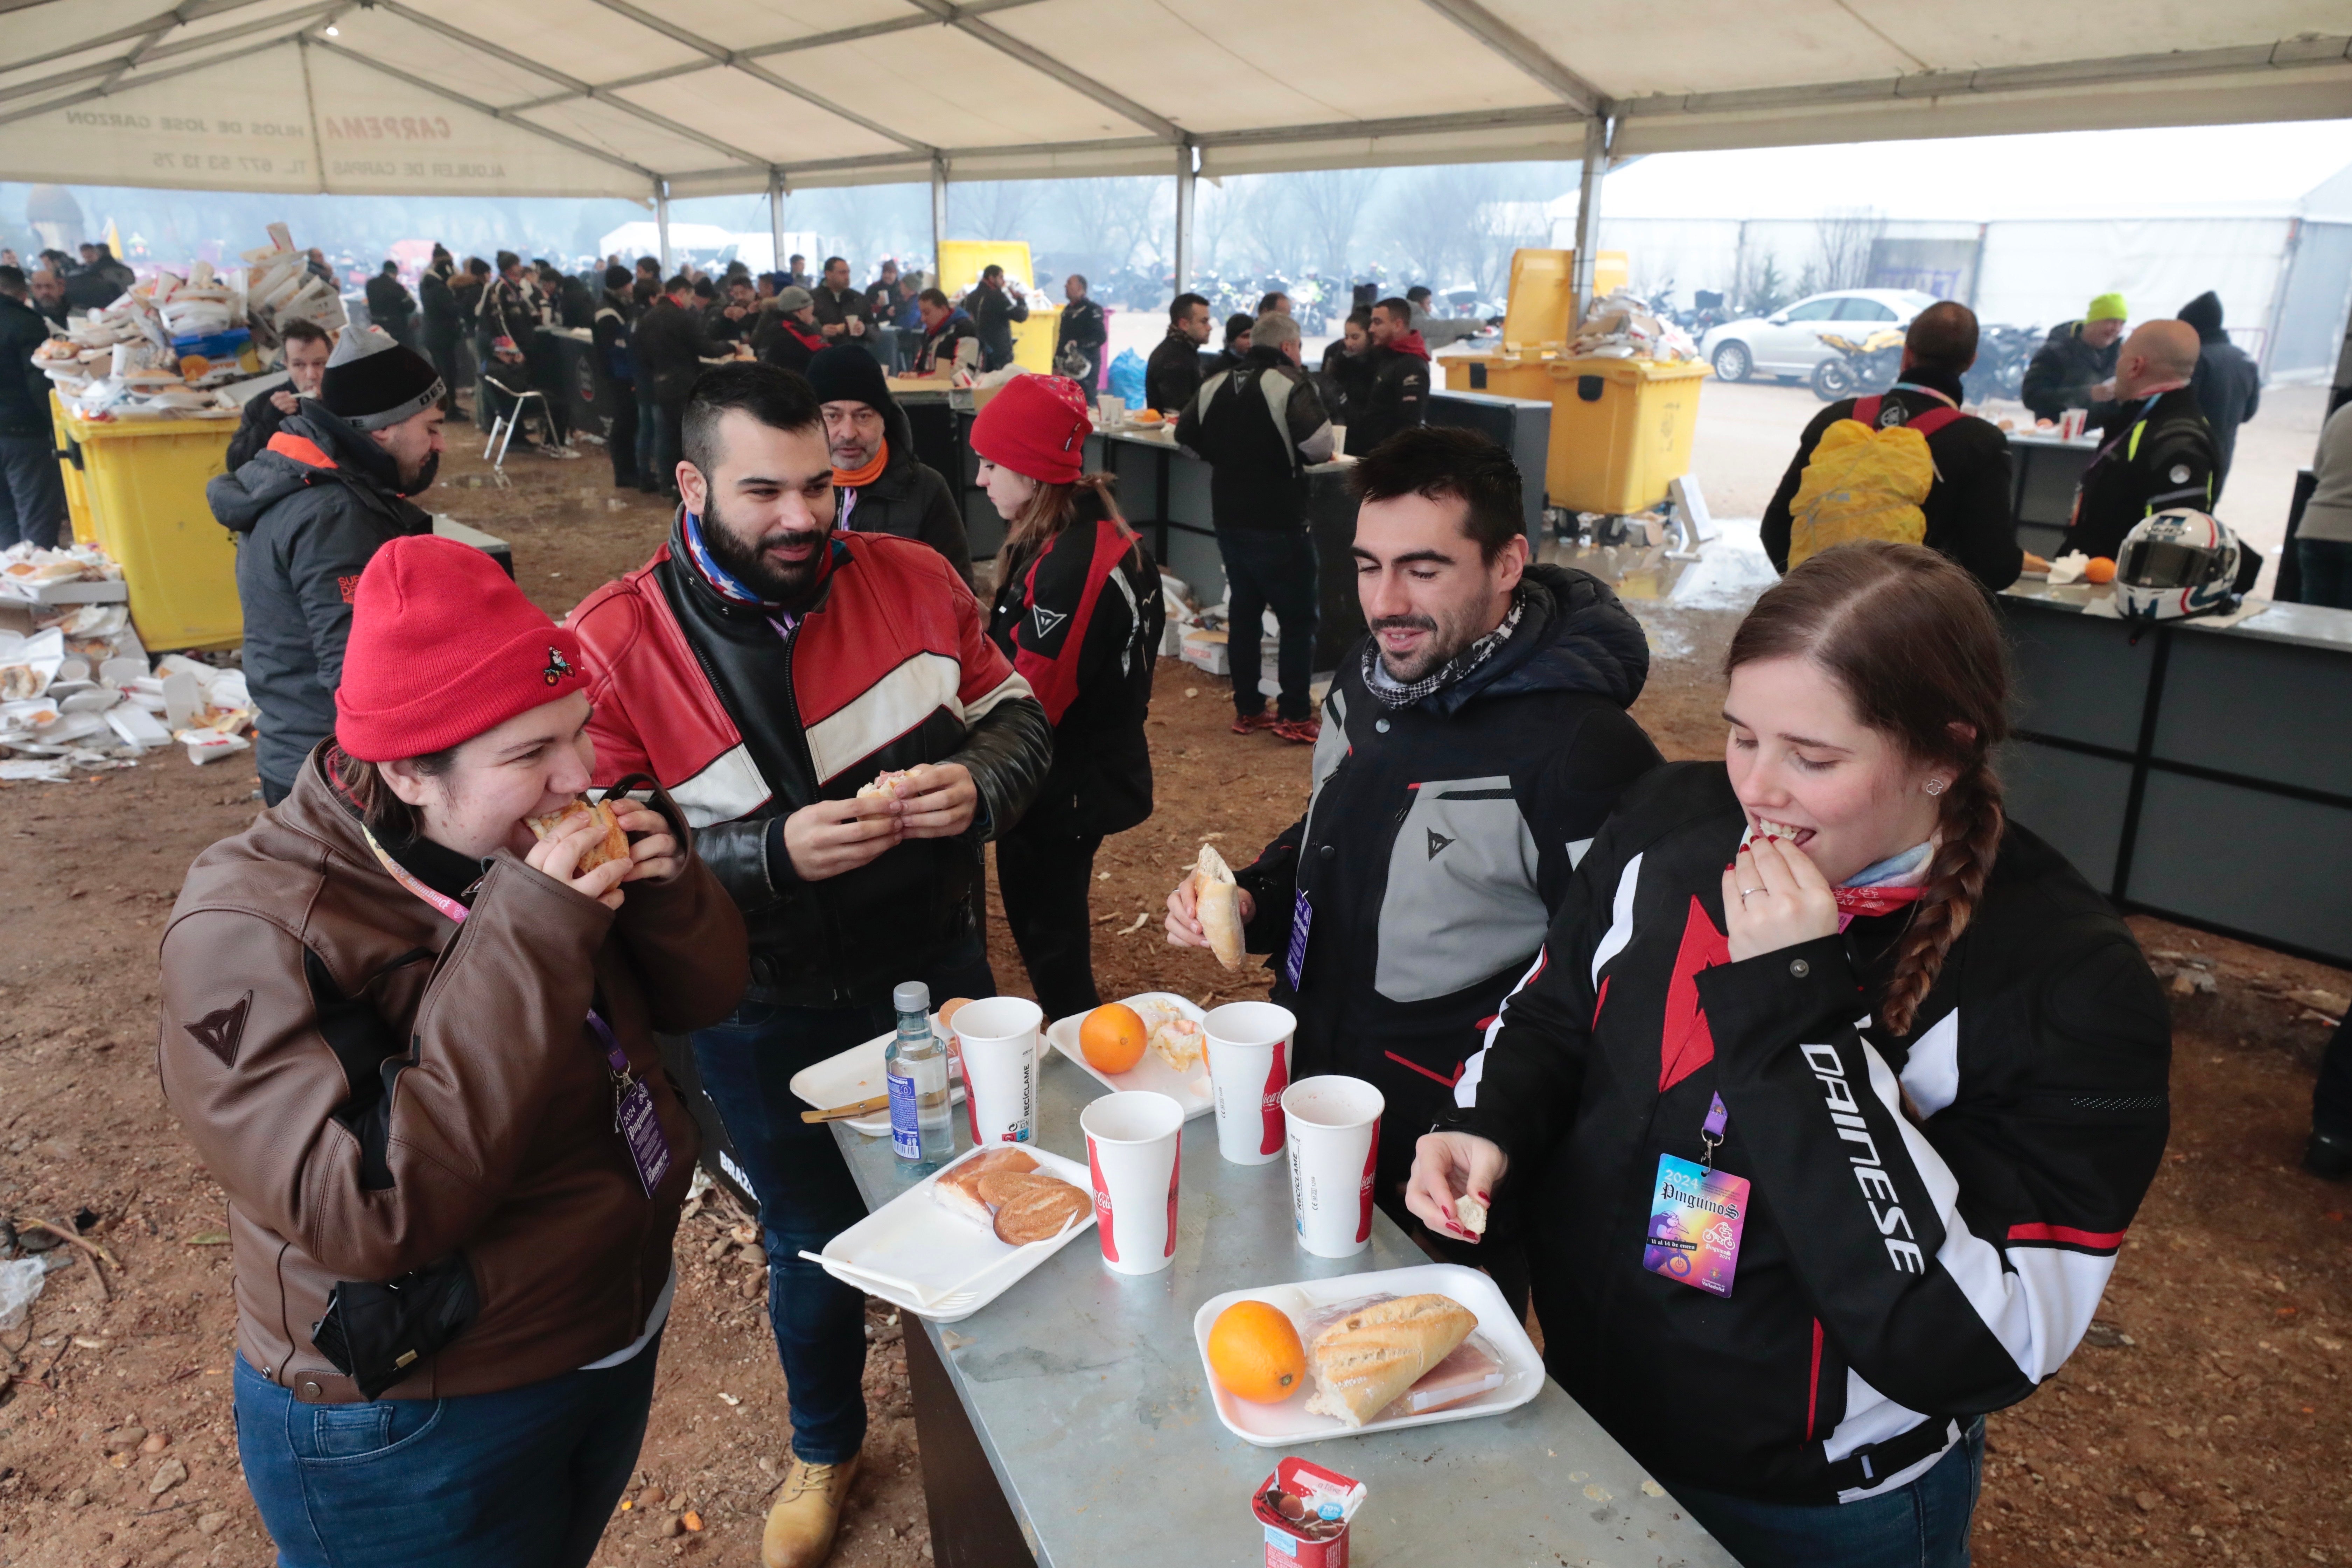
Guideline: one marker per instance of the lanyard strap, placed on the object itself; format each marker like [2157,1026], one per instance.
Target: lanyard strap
[615,1058]
[1710,1131]
[1931,391]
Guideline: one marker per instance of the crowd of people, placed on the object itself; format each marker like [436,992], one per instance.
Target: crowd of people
[410,1015]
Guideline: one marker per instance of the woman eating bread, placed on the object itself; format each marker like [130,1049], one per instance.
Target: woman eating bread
[408,1020]
[1826,1105]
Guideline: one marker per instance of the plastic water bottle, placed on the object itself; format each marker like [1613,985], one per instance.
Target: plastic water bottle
[916,1067]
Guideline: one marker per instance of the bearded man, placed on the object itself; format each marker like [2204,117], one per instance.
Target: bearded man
[762,668]
[1472,744]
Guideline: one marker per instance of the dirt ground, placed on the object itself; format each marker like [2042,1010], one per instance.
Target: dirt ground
[2206,1421]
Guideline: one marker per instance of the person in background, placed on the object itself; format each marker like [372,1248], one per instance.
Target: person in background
[391,306]
[304,347]
[1417,301]
[670,346]
[796,273]
[951,342]
[330,977]
[2072,366]
[841,313]
[1273,304]
[444,322]
[879,486]
[907,313]
[506,323]
[797,335]
[648,272]
[2157,451]
[616,376]
[314,261]
[1398,397]
[1346,378]
[731,320]
[48,299]
[1828,983]
[334,485]
[1966,506]
[1473,744]
[1236,348]
[1259,425]
[882,295]
[768,666]
[2228,385]
[32,489]
[994,307]
[100,280]
[1079,613]
[1078,340]
[2322,543]
[1171,376]
[466,285]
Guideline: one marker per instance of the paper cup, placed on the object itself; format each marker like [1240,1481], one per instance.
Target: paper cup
[1134,1152]
[1334,1127]
[996,1039]
[1338,441]
[1112,408]
[1249,1067]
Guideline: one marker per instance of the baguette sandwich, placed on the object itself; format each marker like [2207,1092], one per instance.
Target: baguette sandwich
[1219,900]
[1369,1357]
[615,845]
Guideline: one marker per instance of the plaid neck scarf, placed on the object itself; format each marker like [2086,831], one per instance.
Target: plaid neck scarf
[1393,693]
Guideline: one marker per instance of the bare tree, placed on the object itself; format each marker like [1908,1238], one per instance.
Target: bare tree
[1331,204]
[1844,237]
[1112,217]
[993,209]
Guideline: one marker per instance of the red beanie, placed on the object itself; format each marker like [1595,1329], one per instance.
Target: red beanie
[443,647]
[1036,426]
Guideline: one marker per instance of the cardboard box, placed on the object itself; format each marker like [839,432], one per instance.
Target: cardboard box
[1305,1511]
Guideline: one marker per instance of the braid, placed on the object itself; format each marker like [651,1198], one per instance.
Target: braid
[1970,828]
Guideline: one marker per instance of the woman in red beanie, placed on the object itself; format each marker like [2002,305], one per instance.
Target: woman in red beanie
[415,1043]
[1078,612]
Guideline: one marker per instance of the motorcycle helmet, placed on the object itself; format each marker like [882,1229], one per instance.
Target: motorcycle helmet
[2176,563]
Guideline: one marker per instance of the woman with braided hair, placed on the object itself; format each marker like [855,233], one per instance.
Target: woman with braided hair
[1825,1107]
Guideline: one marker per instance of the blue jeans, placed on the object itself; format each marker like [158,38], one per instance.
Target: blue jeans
[649,476]
[1923,1525]
[522,1479]
[806,1194]
[31,492]
[2327,571]
[1270,568]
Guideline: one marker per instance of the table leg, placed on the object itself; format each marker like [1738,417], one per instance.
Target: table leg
[971,1524]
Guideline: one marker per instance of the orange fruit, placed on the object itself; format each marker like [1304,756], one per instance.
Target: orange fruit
[2100,570]
[1112,1038]
[1255,1353]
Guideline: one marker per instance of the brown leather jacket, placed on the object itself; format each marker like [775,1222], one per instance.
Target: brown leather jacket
[299,979]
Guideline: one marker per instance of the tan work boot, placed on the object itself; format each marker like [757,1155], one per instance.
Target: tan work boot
[807,1511]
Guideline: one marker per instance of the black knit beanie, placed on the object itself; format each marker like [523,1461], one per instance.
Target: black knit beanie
[847,373]
[372,383]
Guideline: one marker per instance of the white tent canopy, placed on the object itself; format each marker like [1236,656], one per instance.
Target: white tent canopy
[617,97]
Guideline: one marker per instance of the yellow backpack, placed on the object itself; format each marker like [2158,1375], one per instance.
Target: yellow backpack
[1865,481]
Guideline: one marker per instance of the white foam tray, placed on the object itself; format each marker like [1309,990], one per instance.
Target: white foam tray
[859,1073]
[1277,1425]
[1192,1093]
[917,1239]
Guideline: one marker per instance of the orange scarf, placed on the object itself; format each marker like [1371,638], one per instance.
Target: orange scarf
[850,479]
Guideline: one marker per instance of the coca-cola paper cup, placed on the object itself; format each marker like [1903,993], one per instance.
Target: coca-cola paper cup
[1334,1127]
[1134,1152]
[1249,1067]
[996,1039]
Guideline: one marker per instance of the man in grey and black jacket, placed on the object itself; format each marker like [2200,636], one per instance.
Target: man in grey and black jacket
[1471,746]
[1259,425]
[330,488]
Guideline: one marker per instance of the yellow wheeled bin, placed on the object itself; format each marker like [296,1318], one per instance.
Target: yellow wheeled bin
[1504,375]
[141,483]
[1621,431]
[76,490]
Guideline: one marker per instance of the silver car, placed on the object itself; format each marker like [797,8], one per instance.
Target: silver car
[1788,343]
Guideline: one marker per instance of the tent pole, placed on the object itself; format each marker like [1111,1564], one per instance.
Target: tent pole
[1599,131]
[661,221]
[776,220]
[1187,178]
[938,217]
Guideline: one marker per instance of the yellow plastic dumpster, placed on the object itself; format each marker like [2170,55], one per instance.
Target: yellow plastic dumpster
[1621,431]
[77,490]
[961,261]
[1504,375]
[143,482]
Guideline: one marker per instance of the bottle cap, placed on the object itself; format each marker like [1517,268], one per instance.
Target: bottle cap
[911,996]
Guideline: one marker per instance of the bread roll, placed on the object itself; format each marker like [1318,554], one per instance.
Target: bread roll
[960,1189]
[1037,1208]
[1368,1358]
[614,847]
[1472,1213]
[1219,902]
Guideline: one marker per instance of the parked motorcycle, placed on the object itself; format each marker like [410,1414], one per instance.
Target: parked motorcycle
[1858,368]
[2002,354]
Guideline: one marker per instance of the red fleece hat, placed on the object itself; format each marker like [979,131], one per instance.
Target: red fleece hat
[443,647]
[1036,426]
